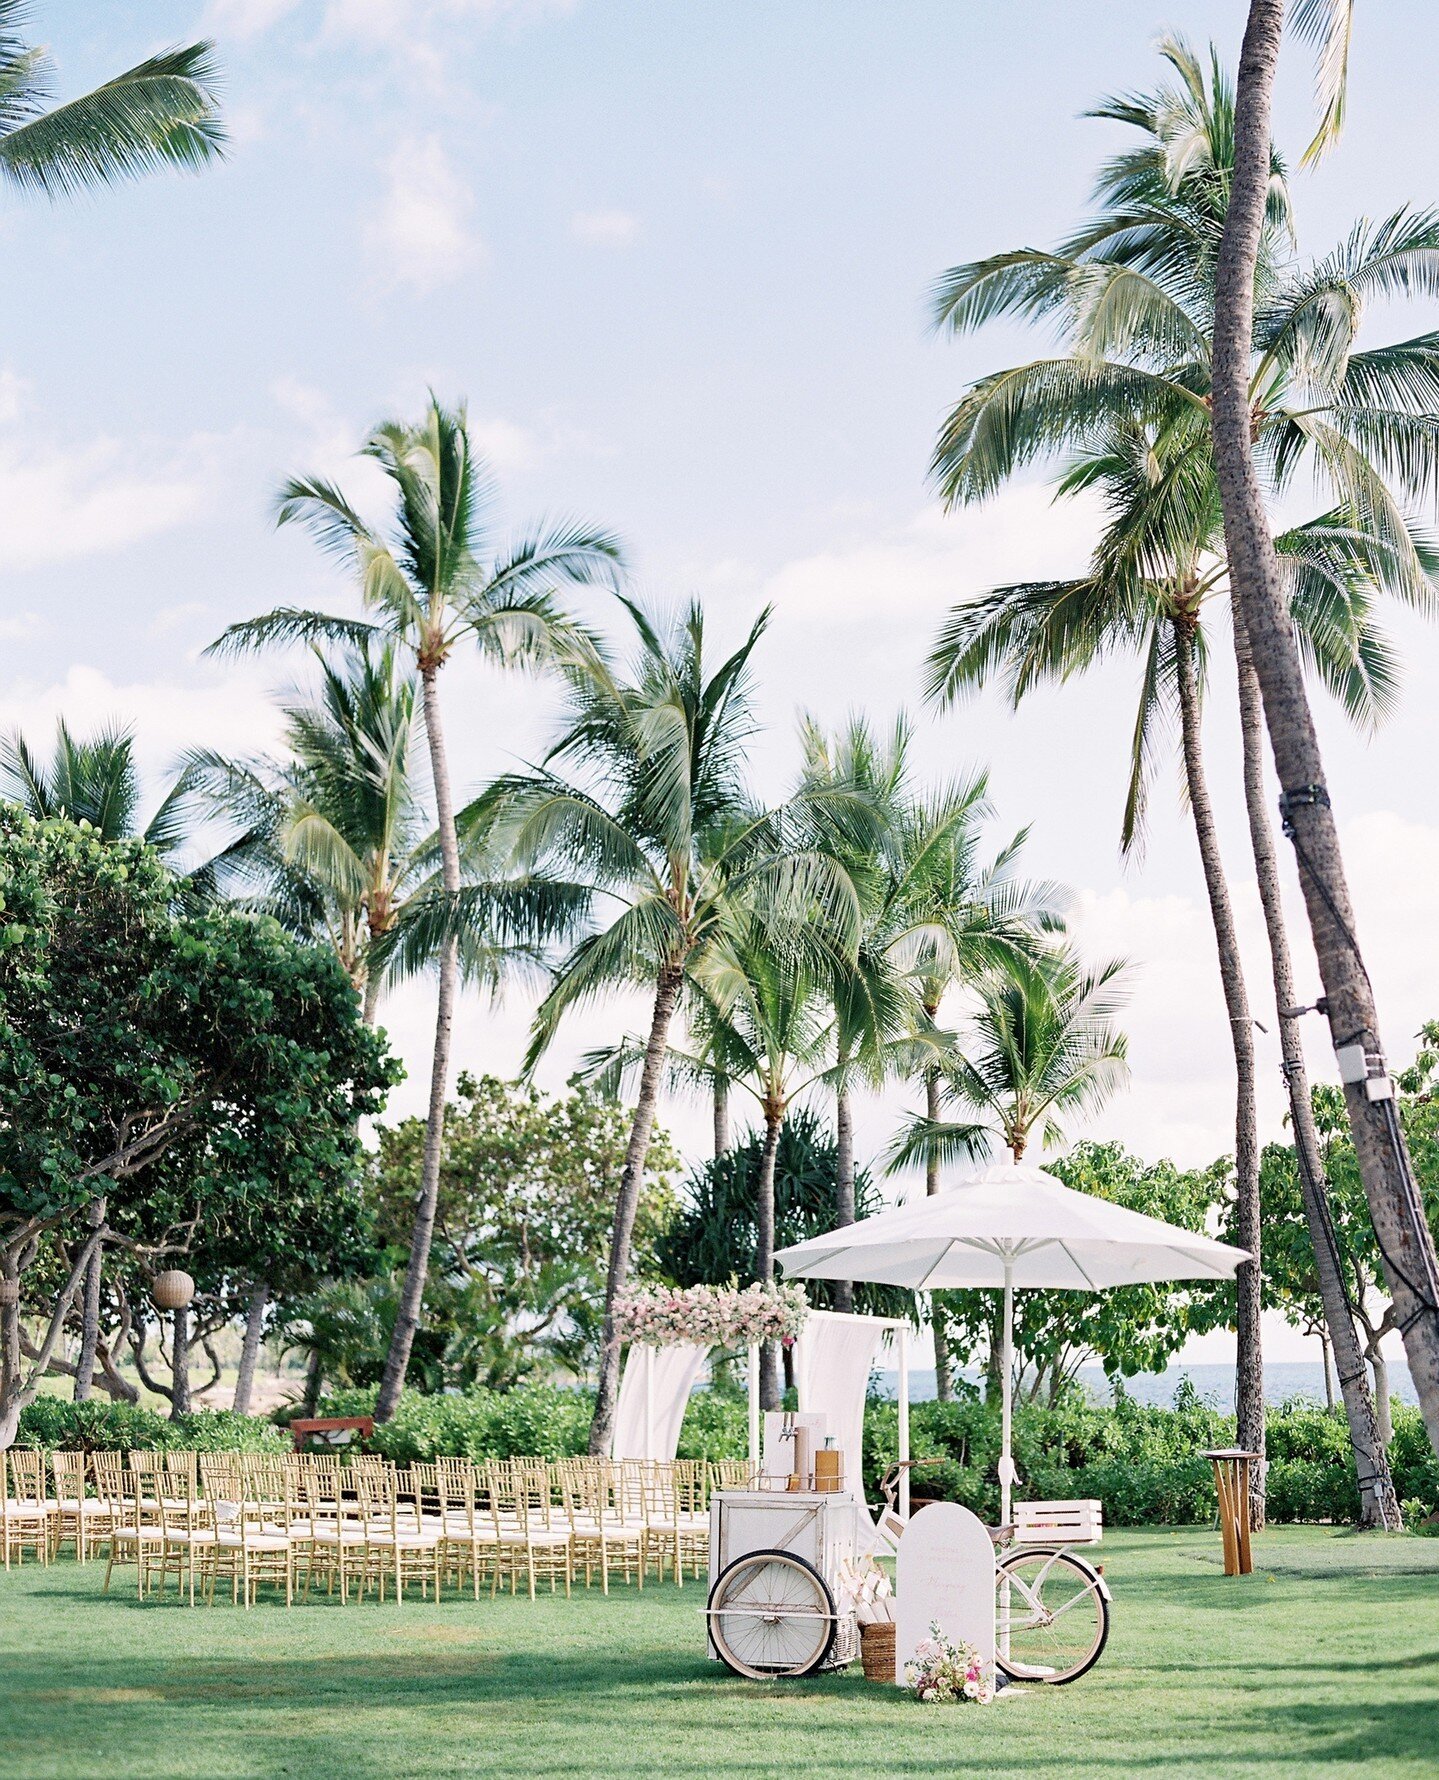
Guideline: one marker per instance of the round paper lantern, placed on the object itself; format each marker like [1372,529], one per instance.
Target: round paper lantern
[173,1290]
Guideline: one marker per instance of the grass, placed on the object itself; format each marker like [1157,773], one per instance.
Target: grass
[1325,1661]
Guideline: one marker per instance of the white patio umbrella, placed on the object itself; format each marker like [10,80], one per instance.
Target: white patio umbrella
[1011,1225]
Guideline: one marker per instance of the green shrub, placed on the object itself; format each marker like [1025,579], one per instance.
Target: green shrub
[100,1425]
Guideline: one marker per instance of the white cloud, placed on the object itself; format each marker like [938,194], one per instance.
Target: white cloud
[422,237]
[245,18]
[22,627]
[56,505]
[14,390]
[605,228]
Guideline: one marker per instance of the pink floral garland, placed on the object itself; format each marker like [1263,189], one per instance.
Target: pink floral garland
[714,1316]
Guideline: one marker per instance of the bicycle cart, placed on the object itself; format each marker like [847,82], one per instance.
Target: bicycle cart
[780,1565]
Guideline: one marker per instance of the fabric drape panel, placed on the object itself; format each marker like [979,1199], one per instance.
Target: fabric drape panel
[660,1402]
[832,1361]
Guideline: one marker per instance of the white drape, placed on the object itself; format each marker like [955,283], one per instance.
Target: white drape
[832,1360]
[653,1393]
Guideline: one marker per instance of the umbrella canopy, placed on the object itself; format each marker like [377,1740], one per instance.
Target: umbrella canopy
[1012,1223]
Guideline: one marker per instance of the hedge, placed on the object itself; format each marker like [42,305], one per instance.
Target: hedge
[1144,1463]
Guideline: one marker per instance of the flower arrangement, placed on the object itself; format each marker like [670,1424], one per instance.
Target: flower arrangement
[718,1316]
[941,1671]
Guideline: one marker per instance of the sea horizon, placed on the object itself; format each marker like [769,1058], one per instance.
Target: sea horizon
[1284,1381]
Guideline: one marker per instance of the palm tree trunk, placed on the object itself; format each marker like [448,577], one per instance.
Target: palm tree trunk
[1410,1263]
[943,1364]
[314,1378]
[627,1201]
[1378,1504]
[843,1177]
[721,1118]
[90,1310]
[250,1349]
[770,1388]
[1249,1373]
[412,1295]
[370,1000]
[1383,1403]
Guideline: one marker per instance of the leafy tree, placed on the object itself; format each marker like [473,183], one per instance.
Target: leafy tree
[95,780]
[653,813]
[523,1226]
[152,1060]
[161,113]
[715,1236]
[437,581]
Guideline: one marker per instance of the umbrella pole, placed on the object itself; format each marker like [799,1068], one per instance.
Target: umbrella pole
[902,1343]
[1006,1459]
[754,1454]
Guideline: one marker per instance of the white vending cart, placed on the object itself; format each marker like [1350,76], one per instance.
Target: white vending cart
[780,1568]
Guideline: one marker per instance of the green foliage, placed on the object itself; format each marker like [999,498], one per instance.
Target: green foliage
[540,1420]
[98,1426]
[713,1238]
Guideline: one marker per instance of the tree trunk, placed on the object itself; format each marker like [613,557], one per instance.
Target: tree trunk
[843,1181]
[180,1365]
[770,1387]
[721,1118]
[1378,1504]
[943,1365]
[314,1377]
[1410,1264]
[250,1349]
[1249,1374]
[1383,1405]
[627,1201]
[1326,1353]
[370,1000]
[412,1294]
[90,1310]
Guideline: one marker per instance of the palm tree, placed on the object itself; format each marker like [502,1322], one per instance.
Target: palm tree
[933,918]
[1134,292]
[1040,1043]
[96,780]
[332,841]
[1411,1263]
[653,813]
[436,582]
[162,113]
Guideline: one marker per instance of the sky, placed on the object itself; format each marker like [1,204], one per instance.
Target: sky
[676,258]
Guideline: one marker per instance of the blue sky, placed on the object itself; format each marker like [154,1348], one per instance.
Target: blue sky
[676,258]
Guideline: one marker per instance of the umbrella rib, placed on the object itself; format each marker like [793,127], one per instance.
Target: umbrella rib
[939,1261]
[1079,1266]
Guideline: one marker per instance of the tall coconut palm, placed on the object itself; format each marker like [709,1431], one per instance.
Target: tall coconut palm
[933,918]
[1411,1262]
[161,113]
[1040,1043]
[331,840]
[94,779]
[1133,291]
[436,582]
[644,798]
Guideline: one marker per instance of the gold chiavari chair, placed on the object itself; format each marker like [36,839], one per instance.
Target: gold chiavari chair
[397,1548]
[525,1543]
[470,1545]
[336,1532]
[27,1513]
[79,1516]
[252,1543]
[136,1531]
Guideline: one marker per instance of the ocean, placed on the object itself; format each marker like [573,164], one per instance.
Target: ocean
[1215,1384]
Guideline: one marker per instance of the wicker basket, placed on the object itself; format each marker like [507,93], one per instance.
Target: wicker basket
[877,1650]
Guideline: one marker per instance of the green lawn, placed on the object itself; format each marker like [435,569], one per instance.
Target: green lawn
[1326,1660]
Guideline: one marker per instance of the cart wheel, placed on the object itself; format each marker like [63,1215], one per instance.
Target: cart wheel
[770,1614]
[1053,1616]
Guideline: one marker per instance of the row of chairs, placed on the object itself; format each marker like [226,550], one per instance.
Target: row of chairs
[250,1519]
